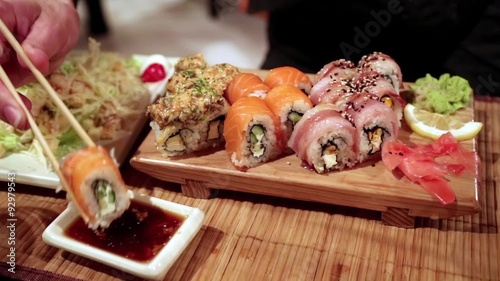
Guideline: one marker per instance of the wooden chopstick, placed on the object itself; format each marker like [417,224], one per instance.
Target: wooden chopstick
[46,85]
[38,134]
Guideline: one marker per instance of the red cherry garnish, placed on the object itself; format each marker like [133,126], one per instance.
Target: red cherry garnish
[153,73]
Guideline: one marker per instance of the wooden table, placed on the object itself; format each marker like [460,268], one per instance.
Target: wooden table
[253,237]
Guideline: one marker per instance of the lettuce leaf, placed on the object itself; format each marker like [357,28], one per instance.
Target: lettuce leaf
[69,142]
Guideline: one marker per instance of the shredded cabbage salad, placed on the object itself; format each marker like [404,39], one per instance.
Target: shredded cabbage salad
[101,89]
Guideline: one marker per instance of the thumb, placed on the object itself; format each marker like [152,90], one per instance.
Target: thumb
[11,112]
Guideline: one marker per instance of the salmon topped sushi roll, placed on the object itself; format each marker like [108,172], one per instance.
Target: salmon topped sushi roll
[252,132]
[95,186]
[289,103]
[245,84]
[289,75]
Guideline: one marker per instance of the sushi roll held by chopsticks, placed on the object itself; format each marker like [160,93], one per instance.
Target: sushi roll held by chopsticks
[95,186]
[90,176]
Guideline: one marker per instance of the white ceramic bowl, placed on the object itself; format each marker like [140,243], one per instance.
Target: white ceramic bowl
[157,267]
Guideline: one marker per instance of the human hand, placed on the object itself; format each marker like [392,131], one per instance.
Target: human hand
[47,31]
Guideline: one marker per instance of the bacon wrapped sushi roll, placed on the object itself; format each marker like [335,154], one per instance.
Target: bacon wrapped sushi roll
[324,139]
[375,124]
[289,103]
[289,75]
[252,132]
[95,186]
[373,84]
[337,70]
[332,92]
[245,84]
[385,65]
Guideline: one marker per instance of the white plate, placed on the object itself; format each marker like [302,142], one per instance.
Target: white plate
[155,269]
[28,170]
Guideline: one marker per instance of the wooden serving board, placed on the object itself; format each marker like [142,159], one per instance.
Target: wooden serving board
[369,185]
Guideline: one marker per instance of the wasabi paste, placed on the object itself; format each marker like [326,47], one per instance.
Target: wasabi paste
[444,95]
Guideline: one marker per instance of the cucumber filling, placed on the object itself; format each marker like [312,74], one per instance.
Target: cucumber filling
[257,137]
[294,117]
[105,197]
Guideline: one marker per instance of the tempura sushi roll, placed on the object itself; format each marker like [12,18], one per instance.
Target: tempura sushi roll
[182,138]
[288,75]
[324,140]
[95,186]
[385,65]
[252,132]
[337,70]
[375,124]
[289,103]
[332,92]
[189,117]
[373,84]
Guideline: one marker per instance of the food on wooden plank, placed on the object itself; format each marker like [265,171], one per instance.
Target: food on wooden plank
[324,139]
[289,103]
[429,164]
[245,84]
[385,65]
[288,75]
[95,186]
[252,132]
[190,116]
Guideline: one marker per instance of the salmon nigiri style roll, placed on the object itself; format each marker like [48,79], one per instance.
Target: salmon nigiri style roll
[245,84]
[324,140]
[289,75]
[95,186]
[289,103]
[252,132]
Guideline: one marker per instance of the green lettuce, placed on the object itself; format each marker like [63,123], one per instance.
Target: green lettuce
[10,141]
[69,142]
[443,95]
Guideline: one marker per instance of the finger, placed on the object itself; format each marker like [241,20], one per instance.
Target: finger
[11,112]
[50,41]
[5,52]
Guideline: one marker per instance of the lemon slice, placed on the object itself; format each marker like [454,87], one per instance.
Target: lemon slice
[432,125]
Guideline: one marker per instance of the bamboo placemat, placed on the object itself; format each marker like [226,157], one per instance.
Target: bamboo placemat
[253,237]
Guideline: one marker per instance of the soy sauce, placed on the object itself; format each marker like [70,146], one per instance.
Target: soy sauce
[139,234]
